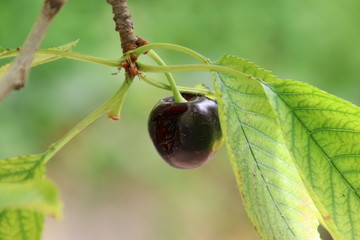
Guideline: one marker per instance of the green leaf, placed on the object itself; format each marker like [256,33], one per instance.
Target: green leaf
[22,168]
[38,195]
[5,53]
[45,58]
[322,133]
[21,224]
[38,58]
[273,193]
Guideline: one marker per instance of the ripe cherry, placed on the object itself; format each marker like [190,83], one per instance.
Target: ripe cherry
[187,134]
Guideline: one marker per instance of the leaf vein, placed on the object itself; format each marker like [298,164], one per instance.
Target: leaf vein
[354,171]
[21,225]
[334,130]
[283,191]
[244,93]
[292,209]
[252,112]
[319,109]
[262,133]
[273,156]
[351,220]
[278,173]
[344,156]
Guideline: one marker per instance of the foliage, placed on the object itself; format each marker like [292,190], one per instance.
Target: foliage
[25,197]
[262,164]
[40,58]
[293,149]
[278,129]
[286,140]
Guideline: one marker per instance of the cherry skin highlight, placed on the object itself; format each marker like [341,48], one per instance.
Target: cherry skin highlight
[186,135]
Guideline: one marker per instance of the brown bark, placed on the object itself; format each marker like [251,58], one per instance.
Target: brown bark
[125,26]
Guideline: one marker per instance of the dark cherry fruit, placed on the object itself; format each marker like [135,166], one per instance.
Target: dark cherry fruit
[186,135]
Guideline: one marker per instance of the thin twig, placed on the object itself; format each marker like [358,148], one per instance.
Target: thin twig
[125,25]
[129,40]
[16,77]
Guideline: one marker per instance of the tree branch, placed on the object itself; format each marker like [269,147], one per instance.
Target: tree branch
[125,26]
[16,76]
[129,40]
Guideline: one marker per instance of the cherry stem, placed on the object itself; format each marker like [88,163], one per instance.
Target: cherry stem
[170,46]
[55,147]
[114,112]
[193,68]
[177,95]
[69,55]
[156,83]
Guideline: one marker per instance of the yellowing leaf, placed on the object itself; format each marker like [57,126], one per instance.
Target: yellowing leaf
[273,193]
[322,133]
[21,225]
[37,195]
[22,187]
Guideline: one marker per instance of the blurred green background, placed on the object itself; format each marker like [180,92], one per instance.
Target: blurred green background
[113,183]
